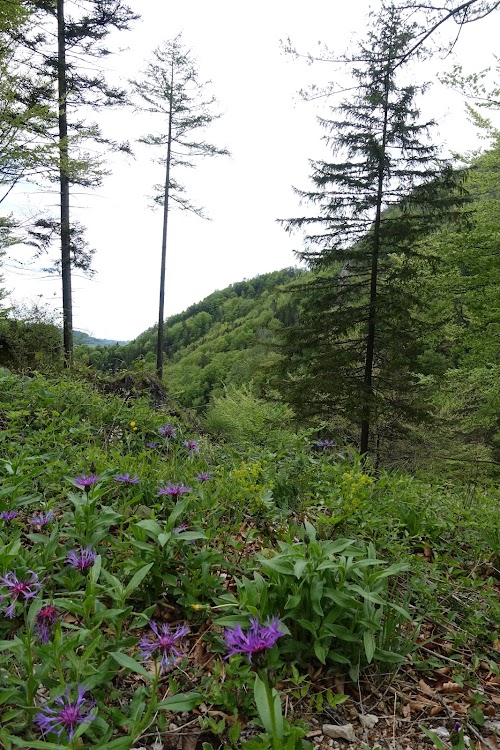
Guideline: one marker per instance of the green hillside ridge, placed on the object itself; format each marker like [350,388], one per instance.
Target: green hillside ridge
[81,337]
[222,339]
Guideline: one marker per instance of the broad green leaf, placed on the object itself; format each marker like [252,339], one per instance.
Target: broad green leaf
[95,570]
[151,526]
[137,579]
[126,661]
[262,704]
[180,702]
[369,644]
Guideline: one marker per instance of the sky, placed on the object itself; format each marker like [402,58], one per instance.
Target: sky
[269,130]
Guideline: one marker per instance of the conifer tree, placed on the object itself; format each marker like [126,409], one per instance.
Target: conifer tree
[171,87]
[66,40]
[353,350]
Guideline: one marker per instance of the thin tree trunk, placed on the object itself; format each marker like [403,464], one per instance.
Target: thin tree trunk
[64,188]
[372,315]
[161,335]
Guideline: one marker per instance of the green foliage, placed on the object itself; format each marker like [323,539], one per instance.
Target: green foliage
[30,341]
[226,338]
[178,560]
[244,419]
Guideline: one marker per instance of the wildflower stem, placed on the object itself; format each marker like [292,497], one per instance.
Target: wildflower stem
[31,684]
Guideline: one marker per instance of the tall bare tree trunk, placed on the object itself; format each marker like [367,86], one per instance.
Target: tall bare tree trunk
[372,313]
[161,335]
[64,187]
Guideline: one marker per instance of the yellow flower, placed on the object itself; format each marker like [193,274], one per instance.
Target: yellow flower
[135,429]
[132,424]
[197,606]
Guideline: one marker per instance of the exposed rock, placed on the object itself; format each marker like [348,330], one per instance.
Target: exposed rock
[368,721]
[340,731]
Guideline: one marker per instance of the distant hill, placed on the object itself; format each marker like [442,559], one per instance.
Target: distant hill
[223,339]
[83,338]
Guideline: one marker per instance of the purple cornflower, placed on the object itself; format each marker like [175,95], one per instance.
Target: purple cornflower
[8,515]
[127,479]
[45,622]
[151,445]
[68,715]
[42,519]
[168,430]
[325,444]
[257,639]
[164,646]
[191,445]
[83,558]
[16,589]
[86,481]
[182,527]
[203,476]
[174,489]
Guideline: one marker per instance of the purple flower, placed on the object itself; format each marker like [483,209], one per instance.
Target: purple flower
[168,430]
[174,489]
[203,476]
[42,519]
[182,527]
[191,445]
[82,558]
[17,589]
[86,481]
[8,515]
[325,444]
[67,716]
[164,646]
[151,445]
[45,622]
[257,639]
[127,479]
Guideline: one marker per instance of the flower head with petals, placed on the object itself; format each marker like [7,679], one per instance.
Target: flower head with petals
[168,430]
[191,445]
[8,515]
[68,715]
[258,638]
[82,559]
[17,589]
[164,647]
[42,519]
[127,479]
[45,622]
[174,489]
[86,481]
[325,444]
[203,476]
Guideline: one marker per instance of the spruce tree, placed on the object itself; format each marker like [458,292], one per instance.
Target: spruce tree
[66,41]
[353,349]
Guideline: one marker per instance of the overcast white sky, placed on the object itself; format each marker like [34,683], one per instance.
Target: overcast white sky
[270,132]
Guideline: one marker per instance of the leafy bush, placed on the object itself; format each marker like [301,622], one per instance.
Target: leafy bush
[244,419]
[332,595]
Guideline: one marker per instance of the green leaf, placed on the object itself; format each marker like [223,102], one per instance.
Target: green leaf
[262,705]
[163,539]
[151,526]
[180,702]
[35,744]
[137,579]
[121,743]
[95,570]
[369,643]
[126,661]
[320,651]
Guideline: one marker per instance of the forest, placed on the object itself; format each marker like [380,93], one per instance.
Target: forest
[270,521]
